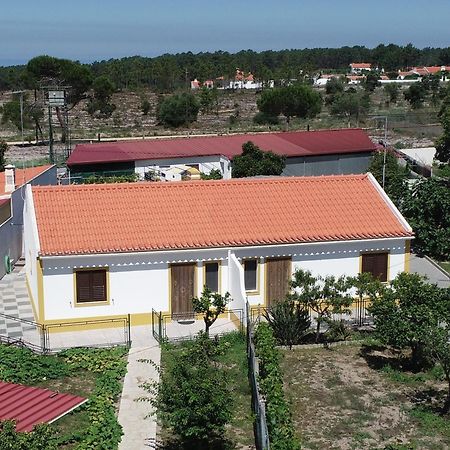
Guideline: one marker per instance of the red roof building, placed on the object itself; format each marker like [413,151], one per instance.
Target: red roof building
[360,67]
[291,144]
[30,406]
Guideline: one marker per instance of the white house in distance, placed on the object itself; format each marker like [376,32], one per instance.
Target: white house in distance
[358,68]
[103,251]
[324,78]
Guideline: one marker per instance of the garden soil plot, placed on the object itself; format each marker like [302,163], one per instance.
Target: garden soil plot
[339,402]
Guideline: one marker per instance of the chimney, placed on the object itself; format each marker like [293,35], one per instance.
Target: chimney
[10,178]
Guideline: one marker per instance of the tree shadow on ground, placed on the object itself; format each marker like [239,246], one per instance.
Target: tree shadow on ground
[212,444]
[379,356]
[430,399]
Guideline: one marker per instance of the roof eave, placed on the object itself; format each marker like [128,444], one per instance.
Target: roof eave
[43,255]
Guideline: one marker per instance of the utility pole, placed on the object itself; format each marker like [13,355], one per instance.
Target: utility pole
[50,135]
[385,151]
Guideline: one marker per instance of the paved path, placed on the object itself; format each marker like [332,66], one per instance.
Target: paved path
[138,430]
[424,267]
[15,302]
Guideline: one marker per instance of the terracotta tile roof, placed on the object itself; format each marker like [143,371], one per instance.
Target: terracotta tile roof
[361,65]
[134,217]
[433,69]
[23,176]
[29,406]
[428,70]
[297,143]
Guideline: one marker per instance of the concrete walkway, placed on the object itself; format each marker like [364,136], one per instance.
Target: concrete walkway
[423,266]
[138,431]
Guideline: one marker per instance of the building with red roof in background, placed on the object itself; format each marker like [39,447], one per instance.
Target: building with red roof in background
[321,152]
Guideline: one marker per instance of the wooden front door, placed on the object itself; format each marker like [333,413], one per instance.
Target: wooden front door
[182,280]
[278,277]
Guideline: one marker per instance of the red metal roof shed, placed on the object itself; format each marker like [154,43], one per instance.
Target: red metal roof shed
[291,144]
[29,406]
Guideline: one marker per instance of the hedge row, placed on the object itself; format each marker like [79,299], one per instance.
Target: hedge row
[279,420]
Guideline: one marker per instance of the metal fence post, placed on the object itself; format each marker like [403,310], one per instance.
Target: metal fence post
[44,338]
[153,322]
[129,331]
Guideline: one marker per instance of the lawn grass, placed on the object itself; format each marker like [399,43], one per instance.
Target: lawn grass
[239,432]
[356,397]
[445,265]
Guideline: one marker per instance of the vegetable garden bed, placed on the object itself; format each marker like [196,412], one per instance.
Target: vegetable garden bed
[93,373]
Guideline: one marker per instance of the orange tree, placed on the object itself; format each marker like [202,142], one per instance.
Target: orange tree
[324,295]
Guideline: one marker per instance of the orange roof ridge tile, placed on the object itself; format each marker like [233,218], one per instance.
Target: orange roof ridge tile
[178,184]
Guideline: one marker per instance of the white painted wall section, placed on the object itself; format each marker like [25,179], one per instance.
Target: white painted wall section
[236,283]
[31,245]
[140,282]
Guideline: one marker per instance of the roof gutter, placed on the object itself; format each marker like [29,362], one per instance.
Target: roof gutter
[389,202]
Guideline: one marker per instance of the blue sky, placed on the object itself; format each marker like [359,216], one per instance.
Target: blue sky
[92,29]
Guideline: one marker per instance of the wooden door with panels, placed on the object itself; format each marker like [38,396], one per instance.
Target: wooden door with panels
[182,290]
[278,277]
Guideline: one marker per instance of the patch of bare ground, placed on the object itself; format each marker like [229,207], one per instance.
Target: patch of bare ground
[339,400]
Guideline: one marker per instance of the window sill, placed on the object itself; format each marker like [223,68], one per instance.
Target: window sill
[84,304]
[252,292]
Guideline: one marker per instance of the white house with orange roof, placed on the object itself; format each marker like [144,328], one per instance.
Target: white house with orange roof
[12,193]
[103,251]
[359,68]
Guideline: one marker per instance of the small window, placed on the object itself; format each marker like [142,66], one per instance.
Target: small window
[91,286]
[251,274]
[212,276]
[376,264]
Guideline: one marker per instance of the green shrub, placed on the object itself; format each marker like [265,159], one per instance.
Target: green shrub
[20,365]
[41,438]
[145,106]
[338,330]
[193,397]
[215,174]
[279,421]
[262,118]
[178,109]
[289,322]
[99,179]
[95,359]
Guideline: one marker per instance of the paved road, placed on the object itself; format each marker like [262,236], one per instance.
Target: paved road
[424,267]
